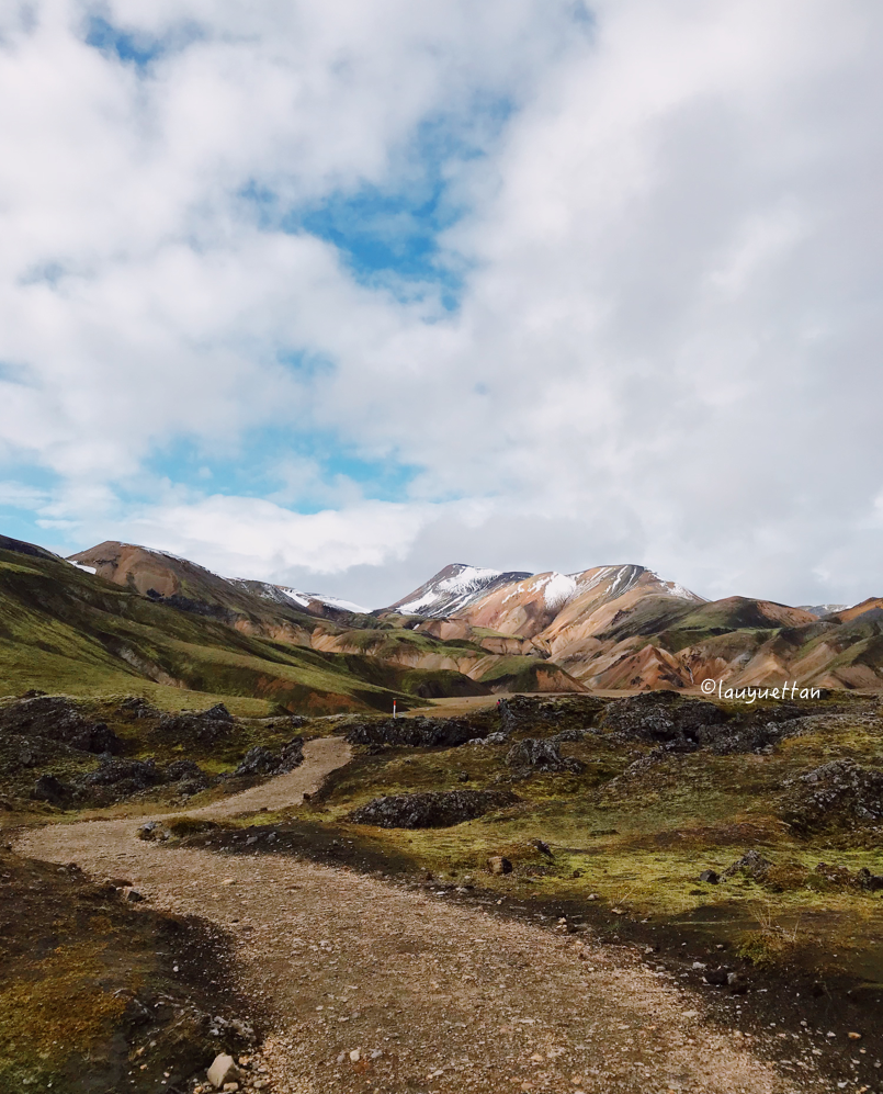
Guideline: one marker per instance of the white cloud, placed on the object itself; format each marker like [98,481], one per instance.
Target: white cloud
[666,349]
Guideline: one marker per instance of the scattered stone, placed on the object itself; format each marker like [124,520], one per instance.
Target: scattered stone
[719,977]
[134,897]
[498,864]
[355,1055]
[222,1070]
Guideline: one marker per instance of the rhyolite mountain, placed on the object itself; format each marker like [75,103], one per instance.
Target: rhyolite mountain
[608,627]
[121,612]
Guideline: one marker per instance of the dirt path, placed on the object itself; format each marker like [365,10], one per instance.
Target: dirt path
[380,989]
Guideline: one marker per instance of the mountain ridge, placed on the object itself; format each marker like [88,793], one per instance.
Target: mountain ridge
[478,631]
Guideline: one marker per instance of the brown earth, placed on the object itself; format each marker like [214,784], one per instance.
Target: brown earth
[376,988]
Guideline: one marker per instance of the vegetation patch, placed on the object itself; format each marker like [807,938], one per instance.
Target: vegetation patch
[96,995]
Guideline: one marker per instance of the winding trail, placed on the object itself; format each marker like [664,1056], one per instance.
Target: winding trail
[376,988]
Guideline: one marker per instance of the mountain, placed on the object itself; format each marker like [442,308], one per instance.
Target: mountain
[253,607]
[124,619]
[121,612]
[453,589]
[624,627]
[312,603]
[821,610]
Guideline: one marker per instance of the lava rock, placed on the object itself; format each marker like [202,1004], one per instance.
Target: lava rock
[751,863]
[203,727]
[659,716]
[433,809]
[416,732]
[124,776]
[540,755]
[837,795]
[58,719]
[49,789]
[261,761]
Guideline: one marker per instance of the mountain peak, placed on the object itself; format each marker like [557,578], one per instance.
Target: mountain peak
[454,587]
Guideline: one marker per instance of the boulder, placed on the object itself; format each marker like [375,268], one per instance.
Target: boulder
[433,809]
[499,865]
[710,877]
[223,1070]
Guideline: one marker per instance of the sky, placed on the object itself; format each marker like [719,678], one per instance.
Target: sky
[333,294]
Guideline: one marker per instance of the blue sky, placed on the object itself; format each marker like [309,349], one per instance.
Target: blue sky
[337,294]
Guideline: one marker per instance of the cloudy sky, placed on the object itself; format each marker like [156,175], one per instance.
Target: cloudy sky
[334,293]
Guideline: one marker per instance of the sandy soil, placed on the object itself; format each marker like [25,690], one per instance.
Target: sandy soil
[378,988]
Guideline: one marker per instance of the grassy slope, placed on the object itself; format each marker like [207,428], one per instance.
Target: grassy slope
[63,630]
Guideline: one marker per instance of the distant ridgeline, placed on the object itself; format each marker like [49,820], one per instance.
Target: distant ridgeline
[128,619]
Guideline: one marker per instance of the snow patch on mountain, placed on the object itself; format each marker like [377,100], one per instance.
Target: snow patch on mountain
[557,589]
[284,594]
[456,590]
[82,566]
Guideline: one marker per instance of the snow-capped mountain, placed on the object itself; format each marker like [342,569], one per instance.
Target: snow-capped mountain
[453,589]
[285,595]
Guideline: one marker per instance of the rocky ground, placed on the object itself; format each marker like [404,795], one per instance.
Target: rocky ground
[449,938]
[373,987]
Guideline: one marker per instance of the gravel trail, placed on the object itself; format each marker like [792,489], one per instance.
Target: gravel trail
[381,989]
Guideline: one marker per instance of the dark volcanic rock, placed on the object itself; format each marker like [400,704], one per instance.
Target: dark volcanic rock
[752,863]
[183,769]
[204,727]
[840,794]
[660,716]
[261,761]
[689,724]
[57,718]
[435,809]
[540,755]
[135,707]
[190,777]
[416,732]
[123,776]
[49,789]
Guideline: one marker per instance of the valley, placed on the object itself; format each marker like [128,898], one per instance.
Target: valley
[559,867]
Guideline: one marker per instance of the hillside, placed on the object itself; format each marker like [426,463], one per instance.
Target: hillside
[119,612]
[157,625]
[624,627]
